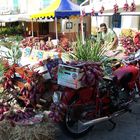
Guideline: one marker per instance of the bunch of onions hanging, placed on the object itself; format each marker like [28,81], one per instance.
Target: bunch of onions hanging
[102,10]
[126,7]
[83,13]
[133,6]
[92,12]
[116,8]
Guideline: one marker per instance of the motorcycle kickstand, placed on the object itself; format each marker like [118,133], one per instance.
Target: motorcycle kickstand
[113,123]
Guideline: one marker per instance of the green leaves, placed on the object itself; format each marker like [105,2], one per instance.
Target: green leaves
[1,69]
[11,30]
[10,41]
[88,51]
[14,54]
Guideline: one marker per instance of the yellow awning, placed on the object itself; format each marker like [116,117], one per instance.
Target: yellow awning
[48,11]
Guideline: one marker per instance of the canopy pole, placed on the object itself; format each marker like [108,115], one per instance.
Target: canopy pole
[82,31]
[82,26]
[32,27]
[38,31]
[56,31]
[69,31]
[96,21]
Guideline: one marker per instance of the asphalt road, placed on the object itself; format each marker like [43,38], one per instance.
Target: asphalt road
[127,128]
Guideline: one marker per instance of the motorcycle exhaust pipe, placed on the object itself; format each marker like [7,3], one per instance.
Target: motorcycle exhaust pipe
[92,122]
[106,118]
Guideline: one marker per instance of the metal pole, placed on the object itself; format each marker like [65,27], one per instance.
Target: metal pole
[32,27]
[82,30]
[56,31]
[96,21]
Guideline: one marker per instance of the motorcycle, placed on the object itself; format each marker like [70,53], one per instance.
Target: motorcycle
[81,109]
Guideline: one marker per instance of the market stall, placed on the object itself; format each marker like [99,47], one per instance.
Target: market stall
[42,70]
[58,9]
[39,49]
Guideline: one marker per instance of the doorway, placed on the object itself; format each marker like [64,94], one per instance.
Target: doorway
[44,28]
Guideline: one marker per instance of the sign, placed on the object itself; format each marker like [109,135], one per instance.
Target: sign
[69,25]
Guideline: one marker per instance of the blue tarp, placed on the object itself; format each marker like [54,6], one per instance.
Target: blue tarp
[66,9]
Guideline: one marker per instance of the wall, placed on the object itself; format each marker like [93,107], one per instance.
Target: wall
[23,6]
[5,6]
[70,33]
[130,22]
[108,4]
[127,21]
[33,6]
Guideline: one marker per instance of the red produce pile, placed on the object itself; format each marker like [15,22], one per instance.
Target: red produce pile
[137,40]
[92,72]
[128,44]
[36,42]
[24,84]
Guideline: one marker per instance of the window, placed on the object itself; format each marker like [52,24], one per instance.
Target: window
[16,6]
[16,3]
[116,20]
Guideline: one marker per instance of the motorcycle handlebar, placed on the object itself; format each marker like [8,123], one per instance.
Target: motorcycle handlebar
[131,60]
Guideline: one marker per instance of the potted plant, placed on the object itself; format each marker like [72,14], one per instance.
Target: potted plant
[90,51]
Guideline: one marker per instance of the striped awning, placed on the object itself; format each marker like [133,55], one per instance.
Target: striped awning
[48,12]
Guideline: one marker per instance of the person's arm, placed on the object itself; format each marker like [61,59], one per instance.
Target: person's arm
[115,40]
[99,37]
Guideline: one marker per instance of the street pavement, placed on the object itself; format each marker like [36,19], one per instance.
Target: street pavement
[127,128]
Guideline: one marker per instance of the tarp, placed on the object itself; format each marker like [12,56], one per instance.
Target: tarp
[59,9]
[66,9]
[8,18]
[48,11]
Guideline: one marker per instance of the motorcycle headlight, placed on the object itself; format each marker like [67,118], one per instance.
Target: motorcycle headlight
[57,96]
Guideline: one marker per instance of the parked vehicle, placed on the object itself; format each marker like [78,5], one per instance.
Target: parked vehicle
[83,108]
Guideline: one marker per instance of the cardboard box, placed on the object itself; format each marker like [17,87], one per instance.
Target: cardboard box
[69,76]
[44,71]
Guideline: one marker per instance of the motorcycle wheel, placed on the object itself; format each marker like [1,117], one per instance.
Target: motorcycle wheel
[74,126]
